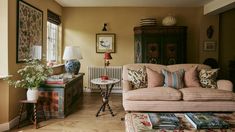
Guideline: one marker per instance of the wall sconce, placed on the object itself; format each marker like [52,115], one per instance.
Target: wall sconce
[105,27]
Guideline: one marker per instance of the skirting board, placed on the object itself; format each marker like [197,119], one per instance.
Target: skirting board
[12,123]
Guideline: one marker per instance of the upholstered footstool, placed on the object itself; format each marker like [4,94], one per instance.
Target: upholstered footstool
[140,122]
[137,122]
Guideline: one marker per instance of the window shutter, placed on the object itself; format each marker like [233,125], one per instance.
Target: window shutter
[53,18]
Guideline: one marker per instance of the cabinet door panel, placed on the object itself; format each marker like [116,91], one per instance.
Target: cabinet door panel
[170,56]
[152,49]
[138,49]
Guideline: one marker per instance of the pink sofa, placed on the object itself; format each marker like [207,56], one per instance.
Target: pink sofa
[170,99]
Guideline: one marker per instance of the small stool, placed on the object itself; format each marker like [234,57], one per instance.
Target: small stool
[35,110]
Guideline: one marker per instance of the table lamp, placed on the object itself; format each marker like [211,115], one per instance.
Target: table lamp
[107,57]
[72,55]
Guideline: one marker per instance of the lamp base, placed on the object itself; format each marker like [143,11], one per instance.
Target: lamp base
[104,77]
[72,66]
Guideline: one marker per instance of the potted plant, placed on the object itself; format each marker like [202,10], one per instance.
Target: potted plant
[32,74]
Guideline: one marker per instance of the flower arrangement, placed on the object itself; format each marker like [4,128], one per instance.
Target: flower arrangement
[32,75]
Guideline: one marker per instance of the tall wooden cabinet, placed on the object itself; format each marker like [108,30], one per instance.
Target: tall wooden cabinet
[160,45]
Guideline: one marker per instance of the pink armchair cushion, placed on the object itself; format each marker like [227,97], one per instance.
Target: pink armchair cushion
[155,79]
[225,85]
[191,77]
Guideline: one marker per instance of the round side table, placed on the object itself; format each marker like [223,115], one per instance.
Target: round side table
[105,93]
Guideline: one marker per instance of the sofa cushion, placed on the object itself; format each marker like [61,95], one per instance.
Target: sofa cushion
[138,77]
[205,94]
[173,79]
[153,94]
[191,77]
[155,79]
[208,78]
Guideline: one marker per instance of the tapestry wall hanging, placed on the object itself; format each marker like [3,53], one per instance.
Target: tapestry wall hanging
[29,32]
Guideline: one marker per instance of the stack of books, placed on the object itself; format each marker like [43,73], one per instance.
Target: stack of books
[206,121]
[56,79]
[166,121]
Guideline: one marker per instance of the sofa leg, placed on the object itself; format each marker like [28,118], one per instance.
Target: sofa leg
[128,112]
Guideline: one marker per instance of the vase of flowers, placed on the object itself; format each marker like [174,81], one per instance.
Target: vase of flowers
[32,74]
[32,94]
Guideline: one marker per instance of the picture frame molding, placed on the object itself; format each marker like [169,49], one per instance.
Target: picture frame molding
[40,37]
[209,45]
[111,44]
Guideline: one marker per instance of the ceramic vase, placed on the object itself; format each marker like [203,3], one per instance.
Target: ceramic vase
[32,94]
[72,66]
[169,21]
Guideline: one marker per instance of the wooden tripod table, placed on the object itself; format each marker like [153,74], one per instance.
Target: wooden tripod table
[105,93]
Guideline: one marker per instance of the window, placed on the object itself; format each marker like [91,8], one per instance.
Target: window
[52,41]
[4,38]
[53,37]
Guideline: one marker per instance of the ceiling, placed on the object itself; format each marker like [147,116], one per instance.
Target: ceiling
[132,3]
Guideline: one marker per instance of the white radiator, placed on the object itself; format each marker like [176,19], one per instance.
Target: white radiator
[111,71]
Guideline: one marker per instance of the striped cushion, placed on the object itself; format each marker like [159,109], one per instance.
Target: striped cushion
[173,79]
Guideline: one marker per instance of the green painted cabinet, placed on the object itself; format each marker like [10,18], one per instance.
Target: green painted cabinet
[160,45]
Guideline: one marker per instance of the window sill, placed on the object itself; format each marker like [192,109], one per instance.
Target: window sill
[4,77]
[57,65]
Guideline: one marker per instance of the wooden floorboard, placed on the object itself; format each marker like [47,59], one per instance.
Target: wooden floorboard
[83,118]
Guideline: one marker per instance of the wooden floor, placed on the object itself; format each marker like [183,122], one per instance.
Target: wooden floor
[83,119]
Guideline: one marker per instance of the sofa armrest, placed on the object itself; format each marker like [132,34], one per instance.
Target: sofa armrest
[126,85]
[225,85]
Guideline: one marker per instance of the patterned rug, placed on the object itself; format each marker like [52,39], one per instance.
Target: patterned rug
[138,122]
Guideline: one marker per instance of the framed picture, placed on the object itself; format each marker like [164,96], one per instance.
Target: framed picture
[105,42]
[29,32]
[209,46]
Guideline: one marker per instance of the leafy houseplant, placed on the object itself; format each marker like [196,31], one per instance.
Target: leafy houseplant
[32,74]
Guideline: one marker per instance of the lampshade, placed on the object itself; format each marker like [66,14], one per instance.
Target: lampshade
[107,56]
[72,53]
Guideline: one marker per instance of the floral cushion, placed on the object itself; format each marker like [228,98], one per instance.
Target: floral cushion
[138,77]
[208,78]
[173,79]
[191,77]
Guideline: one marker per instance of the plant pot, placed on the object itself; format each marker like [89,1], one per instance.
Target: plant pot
[32,94]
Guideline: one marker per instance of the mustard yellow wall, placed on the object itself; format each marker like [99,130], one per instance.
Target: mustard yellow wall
[82,24]
[4,102]
[4,90]
[16,94]
[205,22]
